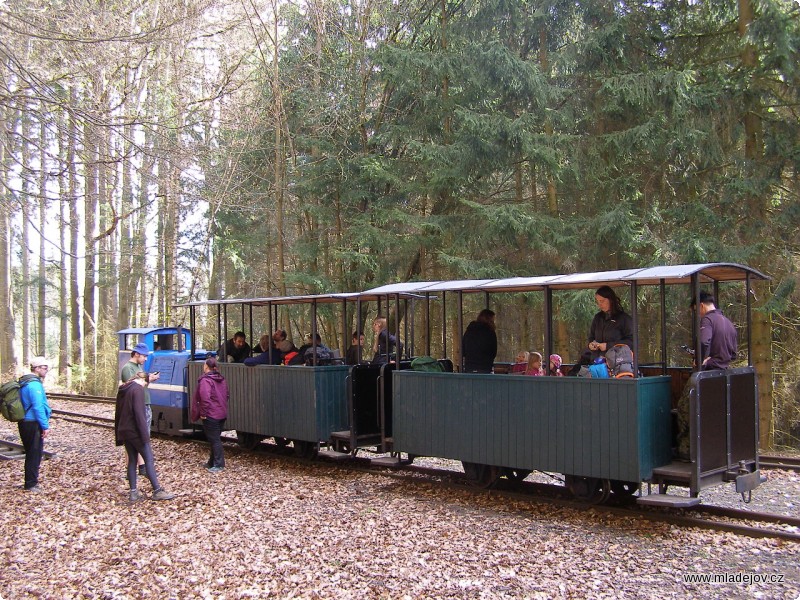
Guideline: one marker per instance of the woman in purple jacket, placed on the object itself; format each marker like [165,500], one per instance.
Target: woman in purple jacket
[210,407]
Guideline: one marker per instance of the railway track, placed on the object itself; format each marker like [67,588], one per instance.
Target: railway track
[773,461]
[82,398]
[714,518]
[83,419]
[741,522]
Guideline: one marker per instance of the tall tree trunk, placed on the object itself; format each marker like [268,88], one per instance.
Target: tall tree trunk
[280,158]
[125,241]
[90,260]
[74,227]
[63,291]
[8,358]
[27,194]
[754,154]
[42,283]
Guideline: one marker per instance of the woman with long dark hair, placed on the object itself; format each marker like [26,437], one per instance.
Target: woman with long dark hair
[611,325]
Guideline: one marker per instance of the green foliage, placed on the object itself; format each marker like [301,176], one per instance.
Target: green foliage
[524,137]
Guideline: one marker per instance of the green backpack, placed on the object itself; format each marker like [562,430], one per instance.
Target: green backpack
[10,402]
[427,364]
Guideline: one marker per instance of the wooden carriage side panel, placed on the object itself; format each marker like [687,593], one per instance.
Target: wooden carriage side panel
[655,424]
[301,403]
[567,425]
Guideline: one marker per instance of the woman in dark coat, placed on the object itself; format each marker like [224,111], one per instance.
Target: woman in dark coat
[210,407]
[132,430]
[479,344]
[611,325]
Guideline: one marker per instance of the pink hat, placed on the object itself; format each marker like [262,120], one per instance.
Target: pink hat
[556,360]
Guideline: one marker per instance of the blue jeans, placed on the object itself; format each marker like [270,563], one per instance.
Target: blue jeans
[31,436]
[213,429]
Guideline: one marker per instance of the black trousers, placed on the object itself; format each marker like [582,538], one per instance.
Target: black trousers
[31,436]
[213,430]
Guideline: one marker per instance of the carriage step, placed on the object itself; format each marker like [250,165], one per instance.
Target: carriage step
[676,471]
[335,456]
[393,462]
[668,500]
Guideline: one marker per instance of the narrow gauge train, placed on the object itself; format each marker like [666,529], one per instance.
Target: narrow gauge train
[606,436]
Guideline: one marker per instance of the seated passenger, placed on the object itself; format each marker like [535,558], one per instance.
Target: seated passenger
[583,363]
[385,343]
[306,345]
[263,344]
[292,357]
[521,363]
[534,367]
[351,358]
[235,349]
[278,336]
[321,351]
[555,365]
[270,356]
[479,343]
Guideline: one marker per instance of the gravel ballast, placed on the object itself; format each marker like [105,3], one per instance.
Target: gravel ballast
[269,526]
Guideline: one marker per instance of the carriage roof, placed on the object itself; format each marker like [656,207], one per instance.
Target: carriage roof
[669,274]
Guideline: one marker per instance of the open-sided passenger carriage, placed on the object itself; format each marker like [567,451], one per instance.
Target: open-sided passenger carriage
[606,436]
[303,405]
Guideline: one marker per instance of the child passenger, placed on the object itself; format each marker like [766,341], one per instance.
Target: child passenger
[534,365]
[521,364]
[555,365]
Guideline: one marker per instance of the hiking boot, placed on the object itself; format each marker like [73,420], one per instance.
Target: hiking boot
[34,488]
[162,494]
[214,469]
[134,496]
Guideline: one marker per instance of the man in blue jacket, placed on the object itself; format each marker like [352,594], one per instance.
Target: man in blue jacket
[34,428]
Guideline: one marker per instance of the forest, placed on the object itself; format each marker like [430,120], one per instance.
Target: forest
[165,151]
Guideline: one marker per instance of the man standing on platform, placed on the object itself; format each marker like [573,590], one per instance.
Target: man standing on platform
[719,344]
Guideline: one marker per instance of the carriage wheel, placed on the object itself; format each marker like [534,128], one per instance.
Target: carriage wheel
[588,489]
[250,441]
[307,450]
[484,476]
[516,475]
[624,489]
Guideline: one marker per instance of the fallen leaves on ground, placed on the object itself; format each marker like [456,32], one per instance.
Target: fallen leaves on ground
[269,526]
